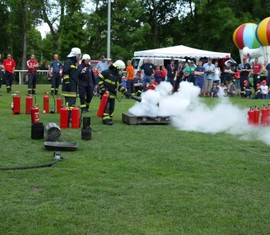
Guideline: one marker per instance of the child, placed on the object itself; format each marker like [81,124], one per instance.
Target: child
[222,90]
[247,91]
[264,89]
[232,91]
[153,85]
[258,92]
[138,84]
[214,91]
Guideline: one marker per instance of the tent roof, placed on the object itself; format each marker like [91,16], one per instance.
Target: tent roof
[180,52]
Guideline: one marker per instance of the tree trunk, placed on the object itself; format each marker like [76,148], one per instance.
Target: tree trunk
[24,55]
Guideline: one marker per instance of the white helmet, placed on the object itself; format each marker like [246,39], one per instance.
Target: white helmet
[75,51]
[119,64]
[86,57]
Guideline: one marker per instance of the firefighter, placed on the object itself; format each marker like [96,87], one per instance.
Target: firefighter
[9,69]
[70,77]
[86,82]
[32,66]
[111,82]
[55,73]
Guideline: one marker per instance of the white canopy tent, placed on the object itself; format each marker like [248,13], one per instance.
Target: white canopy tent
[180,52]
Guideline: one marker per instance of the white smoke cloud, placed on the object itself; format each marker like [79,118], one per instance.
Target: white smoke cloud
[189,113]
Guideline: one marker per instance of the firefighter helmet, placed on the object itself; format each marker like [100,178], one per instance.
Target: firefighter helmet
[75,51]
[119,64]
[86,57]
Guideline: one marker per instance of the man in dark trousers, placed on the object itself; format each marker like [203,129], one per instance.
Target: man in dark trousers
[171,72]
[55,72]
[111,82]
[244,69]
[86,82]
[9,68]
[32,66]
[148,70]
[70,77]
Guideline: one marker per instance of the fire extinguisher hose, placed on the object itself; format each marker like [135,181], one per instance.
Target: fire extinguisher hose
[53,109]
[49,164]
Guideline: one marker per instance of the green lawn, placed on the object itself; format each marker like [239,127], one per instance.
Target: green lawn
[144,179]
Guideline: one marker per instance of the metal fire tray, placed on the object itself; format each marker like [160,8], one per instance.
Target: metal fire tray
[64,146]
[135,120]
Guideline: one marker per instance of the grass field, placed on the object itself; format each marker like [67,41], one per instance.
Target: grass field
[144,179]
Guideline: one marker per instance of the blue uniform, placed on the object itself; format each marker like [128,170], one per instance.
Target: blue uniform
[56,69]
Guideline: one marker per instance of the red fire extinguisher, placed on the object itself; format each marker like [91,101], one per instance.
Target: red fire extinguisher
[251,116]
[59,103]
[34,114]
[75,117]
[46,103]
[256,116]
[264,113]
[268,115]
[102,105]
[64,122]
[28,104]
[16,104]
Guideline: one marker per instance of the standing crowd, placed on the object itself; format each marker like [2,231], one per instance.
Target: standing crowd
[215,78]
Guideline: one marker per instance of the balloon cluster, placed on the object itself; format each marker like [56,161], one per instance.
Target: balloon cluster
[253,40]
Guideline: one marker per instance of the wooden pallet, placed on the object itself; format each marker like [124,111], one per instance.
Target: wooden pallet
[135,120]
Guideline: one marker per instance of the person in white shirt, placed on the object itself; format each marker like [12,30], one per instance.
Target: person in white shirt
[222,90]
[264,90]
[217,73]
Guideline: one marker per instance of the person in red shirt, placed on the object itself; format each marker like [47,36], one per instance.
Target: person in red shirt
[9,68]
[32,65]
[152,85]
[256,71]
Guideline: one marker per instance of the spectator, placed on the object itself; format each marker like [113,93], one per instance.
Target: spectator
[103,64]
[171,72]
[163,73]
[258,92]
[217,74]
[124,82]
[157,74]
[237,82]
[228,73]
[1,71]
[138,84]
[214,91]
[232,90]
[130,79]
[246,89]
[9,68]
[192,68]
[148,70]
[208,76]
[267,68]
[186,72]
[199,75]
[152,85]
[222,90]
[264,89]
[179,76]
[244,69]
[256,71]
[55,72]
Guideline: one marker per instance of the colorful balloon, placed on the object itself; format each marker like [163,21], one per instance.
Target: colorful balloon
[244,36]
[263,32]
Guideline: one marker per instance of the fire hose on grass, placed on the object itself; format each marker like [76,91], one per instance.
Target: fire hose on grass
[57,158]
